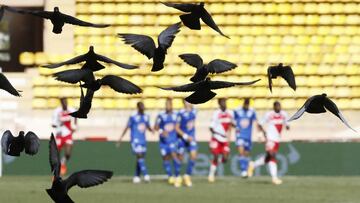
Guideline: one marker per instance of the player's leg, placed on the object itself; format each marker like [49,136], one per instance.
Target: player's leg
[176,163]
[244,147]
[166,156]
[191,163]
[272,163]
[215,151]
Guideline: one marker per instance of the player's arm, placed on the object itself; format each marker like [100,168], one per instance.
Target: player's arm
[75,127]
[55,121]
[124,132]
[286,118]
[181,133]
[261,123]
[157,126]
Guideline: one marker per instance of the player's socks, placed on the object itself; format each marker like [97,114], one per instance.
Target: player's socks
[63,168]
[212,172]
[259,162]
[137,170]
[142,166]
[187,180]
[177,167]
[167,168]
[244,163]
[273,169]
[190,167]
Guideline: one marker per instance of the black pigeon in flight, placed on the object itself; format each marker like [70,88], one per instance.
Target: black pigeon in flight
[4,8]
[116,83]
[13,146]
[91,61]
[146,45]
[84,179]
[59,19]
[85,104]
[319,104]
[202,90]
[284,72]
[7,86]
[194,13]
[203,70]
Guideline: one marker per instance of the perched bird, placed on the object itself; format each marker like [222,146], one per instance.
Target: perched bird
[85,104]
[91,61]
[116,83]
[84,179]
[7,86]
[284,72]
[202,90]
[319,104]
[13,146]
[146,45]
[59,19]
[203,70]
[194,13]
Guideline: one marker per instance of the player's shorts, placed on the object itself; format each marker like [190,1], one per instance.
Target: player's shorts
[62,140]
[167,148]
[217,147]
[272,146]
[245,143]
[138,148]
[183,146]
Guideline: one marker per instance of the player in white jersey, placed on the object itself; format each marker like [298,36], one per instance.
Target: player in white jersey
[220,128]
[64,125]
[275,121]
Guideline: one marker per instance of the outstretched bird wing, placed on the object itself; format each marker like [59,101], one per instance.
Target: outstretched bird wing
[74,76]
[193,60]
[87,178]
[32,143]
[142,43]
[288,75]
[191,87]
[220,66]
[7,86]
[85,104]
[208,20]
[223,84]
[108,60]
[302,110]
[74,60]
[2,10]
[120,85]
[269,74]
[74,21]
[331,106]
[6,140]
[54,157]
[167,36]
[182,7]
[41,14]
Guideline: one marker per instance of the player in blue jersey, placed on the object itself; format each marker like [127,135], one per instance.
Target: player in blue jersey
[244,118]
[165,125]
[185,128]
[138,123]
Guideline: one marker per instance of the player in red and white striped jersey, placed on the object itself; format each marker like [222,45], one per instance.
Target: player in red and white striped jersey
[276,121]
[220,128]
[64,125]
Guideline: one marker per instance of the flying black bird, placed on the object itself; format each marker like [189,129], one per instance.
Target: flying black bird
[116,83]
[194,13]
[13,146]
[319,104]
[4,8]
[203,70]
[85,104]
[284,72]
[84,179]
[7,86]
[146,45]
[202,90]
[59,19]
[91,61]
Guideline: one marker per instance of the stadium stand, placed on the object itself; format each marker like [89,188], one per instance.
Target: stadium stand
[320,39]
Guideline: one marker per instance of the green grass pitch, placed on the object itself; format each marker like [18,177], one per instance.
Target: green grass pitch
[310,189]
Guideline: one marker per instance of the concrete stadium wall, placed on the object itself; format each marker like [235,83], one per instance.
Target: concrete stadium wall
[297,158]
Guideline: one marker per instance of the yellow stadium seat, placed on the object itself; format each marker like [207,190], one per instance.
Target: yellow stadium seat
[355,104]
[27,58]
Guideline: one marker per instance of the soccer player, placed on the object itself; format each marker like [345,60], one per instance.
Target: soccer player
[185,128]
[244,118]
[165,125]
[220,128]
[65,125]
[138,123]
[275,120]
